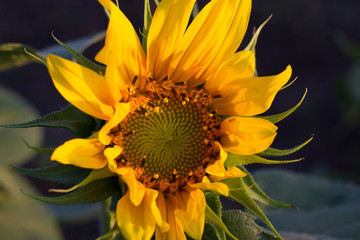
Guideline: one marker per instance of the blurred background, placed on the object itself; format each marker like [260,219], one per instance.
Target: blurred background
[319,38]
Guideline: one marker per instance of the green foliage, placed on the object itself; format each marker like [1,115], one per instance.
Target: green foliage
[212,230]
[259,195]
[272,152]
[239,192]
[278,117]
[14,108]
[81,59]
[328,210]
[21,217]
[79,123]
[241,224]
[47,151]
[252,44]
[96,191]
[216,223]
[66,174]
[147,22]
[13,55]
[236,160]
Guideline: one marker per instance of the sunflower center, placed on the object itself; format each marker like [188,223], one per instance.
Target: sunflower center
[167,139]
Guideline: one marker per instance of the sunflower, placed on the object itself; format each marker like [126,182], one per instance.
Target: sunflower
[171,114]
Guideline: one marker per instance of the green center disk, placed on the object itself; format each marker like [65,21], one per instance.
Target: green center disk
[172,138]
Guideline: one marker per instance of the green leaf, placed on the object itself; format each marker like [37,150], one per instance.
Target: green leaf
[213,201]
[94,175]
[66,174]
[241,224]
[329,209]
[147,22]
[278,117]
[79,123]
[13,55]
[257,194]
[95,191]
[253,41]
[212,231]
[236,160]
[15,108]
[215,220]
[240,193]
[20,217]
[272,152]
[81,59]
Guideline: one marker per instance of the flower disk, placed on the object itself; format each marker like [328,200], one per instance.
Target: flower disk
[168,140]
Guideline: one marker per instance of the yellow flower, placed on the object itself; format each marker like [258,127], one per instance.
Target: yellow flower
[164,136]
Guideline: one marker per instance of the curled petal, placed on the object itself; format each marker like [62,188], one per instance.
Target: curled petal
[217,170]
[249,96]
[191,211]
[218,187]
[85,153]
[246,135]
[121,110]
[138,221]
[82,87]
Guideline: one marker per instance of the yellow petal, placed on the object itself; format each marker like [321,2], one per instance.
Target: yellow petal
[240,65]
[121,110]
[218,187]
[167,27]
[214,35]
[191,211]
[111,153]
[167,207]
[85,153]
[217,170]
[82,87]
[246,135]
[249,96]
[122,46]
[137,222]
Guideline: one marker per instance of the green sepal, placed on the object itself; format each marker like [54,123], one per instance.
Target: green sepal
[81,59]
[14,55]
[239,192]
[94,175]
[47,151]
[156,2]
[65,174]
[113,234]
[273,152]
[252,44]
[289,84]
[236,160]
[259,195]
[195,10]
[71,118]
[278,117]
[211,230]
[96,191]
[216,221]
[147,22]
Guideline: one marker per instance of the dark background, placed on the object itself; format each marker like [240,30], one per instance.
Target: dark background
[319,38]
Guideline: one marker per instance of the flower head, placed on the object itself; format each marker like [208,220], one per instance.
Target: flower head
[165,133]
